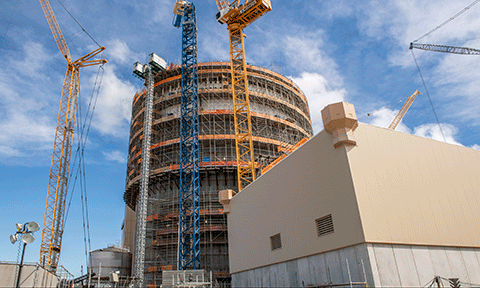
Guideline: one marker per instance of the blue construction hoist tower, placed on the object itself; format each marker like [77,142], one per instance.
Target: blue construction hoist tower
[189,217]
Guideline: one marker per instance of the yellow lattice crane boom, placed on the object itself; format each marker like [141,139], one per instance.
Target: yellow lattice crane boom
[404,110]
[237,16]
[62,148]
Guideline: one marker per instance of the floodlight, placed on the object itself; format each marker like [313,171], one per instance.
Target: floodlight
[32,226]
[28,238]
[19,227]
[13,238]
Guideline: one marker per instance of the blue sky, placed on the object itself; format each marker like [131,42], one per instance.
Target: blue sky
[335,50]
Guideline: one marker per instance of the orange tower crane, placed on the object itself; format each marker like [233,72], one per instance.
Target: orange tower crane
[237,16]
[62,148]
[404,110]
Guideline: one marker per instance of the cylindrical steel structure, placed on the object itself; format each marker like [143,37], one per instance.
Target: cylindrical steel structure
[280,117]
[111,259]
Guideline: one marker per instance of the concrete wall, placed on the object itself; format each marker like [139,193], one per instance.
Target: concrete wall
[312,182]
[31,276]
[415,266]
[385,265]
[328,267]
[413,190]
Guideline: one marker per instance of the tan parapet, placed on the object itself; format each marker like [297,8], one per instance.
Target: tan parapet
[340,120]
[224,197]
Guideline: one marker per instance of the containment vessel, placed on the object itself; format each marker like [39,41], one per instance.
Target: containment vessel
[280,117]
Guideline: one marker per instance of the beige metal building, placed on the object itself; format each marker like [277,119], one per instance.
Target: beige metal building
[359,203]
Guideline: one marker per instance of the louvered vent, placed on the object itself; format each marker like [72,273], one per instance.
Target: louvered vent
[275,242]
[324,225]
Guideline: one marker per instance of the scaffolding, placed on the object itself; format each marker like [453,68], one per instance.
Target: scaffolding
[280,117]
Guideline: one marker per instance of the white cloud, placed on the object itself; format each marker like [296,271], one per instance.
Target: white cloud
[451,78]
[432,131]
[158,11]
[119,51]
[113,110]
[35,61]
[9,151]
[305,52]
[214,45]
[27,105]
[319,94]
[162,11]
[475,146]
[457,79]
[333,9]
[406,21]
[301,49]
[116,156]
[384,117]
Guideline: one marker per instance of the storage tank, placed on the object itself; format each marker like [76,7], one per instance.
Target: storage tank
[280,117]
[111,259]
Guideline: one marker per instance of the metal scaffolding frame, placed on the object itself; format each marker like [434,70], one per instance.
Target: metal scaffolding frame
[280,116]
[141,210]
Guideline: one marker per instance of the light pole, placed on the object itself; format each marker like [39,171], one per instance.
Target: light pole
[26,234]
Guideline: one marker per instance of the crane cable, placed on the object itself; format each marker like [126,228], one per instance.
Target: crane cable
[82,143]
[10,20]
[78,148]
[82,139]
[81,25]
[428,94]
[449,20]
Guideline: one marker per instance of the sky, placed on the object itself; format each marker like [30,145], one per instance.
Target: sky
[335,50]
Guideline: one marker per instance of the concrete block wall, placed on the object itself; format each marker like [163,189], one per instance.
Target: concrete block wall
[379,265]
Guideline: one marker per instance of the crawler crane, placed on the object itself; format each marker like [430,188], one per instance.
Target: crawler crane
[237,16]
[62,148]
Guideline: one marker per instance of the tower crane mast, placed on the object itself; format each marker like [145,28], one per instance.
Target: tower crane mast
[189,214]
[445,49]
[53,221]
[237,16]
